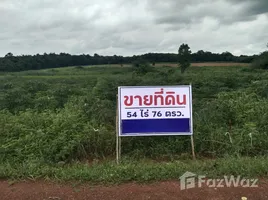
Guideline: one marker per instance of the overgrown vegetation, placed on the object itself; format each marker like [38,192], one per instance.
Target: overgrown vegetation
[66,115]
[261,62]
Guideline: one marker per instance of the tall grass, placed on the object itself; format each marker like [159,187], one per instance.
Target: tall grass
[72,118]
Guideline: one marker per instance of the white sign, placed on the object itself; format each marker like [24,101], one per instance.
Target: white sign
[155,110]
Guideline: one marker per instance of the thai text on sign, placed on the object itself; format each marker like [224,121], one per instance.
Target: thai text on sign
[155,110]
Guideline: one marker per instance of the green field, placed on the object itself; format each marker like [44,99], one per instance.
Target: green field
[51,120]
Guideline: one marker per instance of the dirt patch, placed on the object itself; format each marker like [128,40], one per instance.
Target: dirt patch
[200,64]
[205,64]
[157,191]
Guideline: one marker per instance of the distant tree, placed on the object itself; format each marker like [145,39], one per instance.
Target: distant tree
[141,66]
[121,60]
[13,63]
[9,54]
[184,57]
[227,56]
[261,62]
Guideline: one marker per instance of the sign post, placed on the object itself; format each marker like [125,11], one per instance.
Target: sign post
[118,139]
[154,111]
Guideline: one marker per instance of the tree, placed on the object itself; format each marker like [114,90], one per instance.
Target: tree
[261,62]
[141,66]
[12,63]
[9,55]
[184,57]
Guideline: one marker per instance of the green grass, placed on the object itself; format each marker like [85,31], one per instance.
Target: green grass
[109,172]
[71,71]
[49,117]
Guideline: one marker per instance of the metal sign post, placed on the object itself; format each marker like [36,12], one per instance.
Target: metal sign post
[154,111]
[118,139]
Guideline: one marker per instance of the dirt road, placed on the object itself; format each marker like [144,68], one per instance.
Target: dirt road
[157,191]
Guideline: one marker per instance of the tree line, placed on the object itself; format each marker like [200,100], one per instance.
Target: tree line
[11,63]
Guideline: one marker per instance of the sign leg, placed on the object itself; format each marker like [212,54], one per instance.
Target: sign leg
[192,144]
[118,138]
[117,149]
[116,132]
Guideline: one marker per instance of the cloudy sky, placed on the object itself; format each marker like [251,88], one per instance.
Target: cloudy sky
[127,27]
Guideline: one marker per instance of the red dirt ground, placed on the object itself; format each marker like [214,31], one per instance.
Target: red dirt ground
[169,190]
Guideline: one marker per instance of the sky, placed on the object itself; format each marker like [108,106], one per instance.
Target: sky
[132,27]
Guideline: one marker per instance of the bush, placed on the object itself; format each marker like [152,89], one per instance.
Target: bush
[52,136]
[142,67]
[261,62]
[234,123]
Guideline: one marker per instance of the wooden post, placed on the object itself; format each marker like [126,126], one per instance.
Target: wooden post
[192,144]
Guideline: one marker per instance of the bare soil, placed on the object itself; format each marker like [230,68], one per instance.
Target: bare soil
[199,64]
[168,190]
[206,64]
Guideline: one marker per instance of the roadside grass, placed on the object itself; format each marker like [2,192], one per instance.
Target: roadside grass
[140,171]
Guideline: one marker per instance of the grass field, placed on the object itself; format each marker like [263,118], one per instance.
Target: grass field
[49,118]
[72,70]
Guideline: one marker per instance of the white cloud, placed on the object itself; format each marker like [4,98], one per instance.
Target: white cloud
[131,27]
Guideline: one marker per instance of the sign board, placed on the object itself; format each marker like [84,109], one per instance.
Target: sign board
[155,110]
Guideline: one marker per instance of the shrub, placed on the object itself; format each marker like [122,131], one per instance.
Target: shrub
[142,67]
[261,62]
[52,136]
[234,123]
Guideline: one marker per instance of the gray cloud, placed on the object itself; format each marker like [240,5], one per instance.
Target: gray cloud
[253,7]
[185,12]
[132,27]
